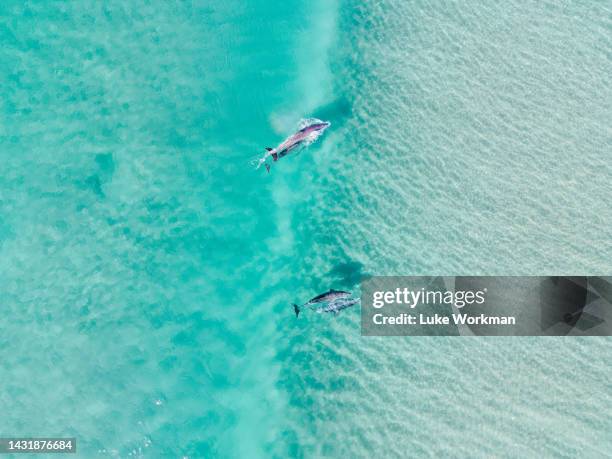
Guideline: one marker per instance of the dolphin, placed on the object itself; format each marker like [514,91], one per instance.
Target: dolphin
[326,297]
[338,305]
[306,134]
[331,295]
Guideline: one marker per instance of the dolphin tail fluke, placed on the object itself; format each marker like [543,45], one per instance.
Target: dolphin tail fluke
[268,168]
[296,308]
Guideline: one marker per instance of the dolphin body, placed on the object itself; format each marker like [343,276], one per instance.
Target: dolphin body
[306,134]
[338,305]
[326,297]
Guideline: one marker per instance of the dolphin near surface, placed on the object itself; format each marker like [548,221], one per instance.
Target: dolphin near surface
[327,297]
[309,131]
[338,305]
[331,295]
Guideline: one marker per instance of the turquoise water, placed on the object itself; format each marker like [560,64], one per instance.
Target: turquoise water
[147,270]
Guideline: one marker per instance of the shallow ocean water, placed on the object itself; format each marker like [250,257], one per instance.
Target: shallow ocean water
[147,270]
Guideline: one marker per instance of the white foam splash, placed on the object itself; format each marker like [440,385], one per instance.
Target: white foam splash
[305,122]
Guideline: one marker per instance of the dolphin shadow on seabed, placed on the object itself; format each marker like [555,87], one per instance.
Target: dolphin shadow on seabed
[348,274]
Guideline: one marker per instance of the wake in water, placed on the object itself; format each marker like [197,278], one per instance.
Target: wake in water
[309,130]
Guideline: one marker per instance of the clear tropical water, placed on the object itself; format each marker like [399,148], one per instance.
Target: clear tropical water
[147,270]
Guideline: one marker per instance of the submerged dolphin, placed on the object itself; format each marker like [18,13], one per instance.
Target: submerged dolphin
[306,134]
[326,297]
[338,305]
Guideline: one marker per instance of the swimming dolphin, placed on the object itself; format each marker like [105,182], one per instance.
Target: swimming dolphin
[326,297]
[338,305]
[306,134]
